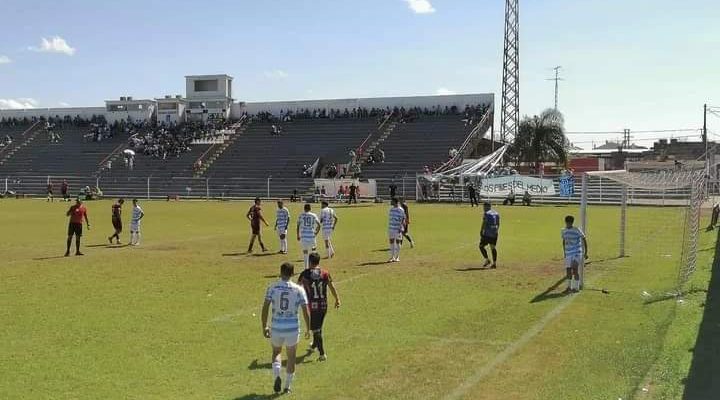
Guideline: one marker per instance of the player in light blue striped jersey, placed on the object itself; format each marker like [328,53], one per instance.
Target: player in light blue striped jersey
[286,299]
[308,226]
[329,221]
[282,222]
[396,225]
[575,249]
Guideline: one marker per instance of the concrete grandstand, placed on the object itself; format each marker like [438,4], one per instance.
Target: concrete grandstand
[207,144]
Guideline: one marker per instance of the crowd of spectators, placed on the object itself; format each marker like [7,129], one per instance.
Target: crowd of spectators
[171,140]
[6,141]
[161,142]
[470,113]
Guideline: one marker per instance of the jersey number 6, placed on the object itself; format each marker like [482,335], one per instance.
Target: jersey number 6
[284,302]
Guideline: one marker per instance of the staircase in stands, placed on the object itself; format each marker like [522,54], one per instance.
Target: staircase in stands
[216,150]
[385,129]
[28,136]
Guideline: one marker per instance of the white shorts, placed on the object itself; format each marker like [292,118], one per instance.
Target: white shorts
[327,233]
[282,232]
[135,226]
[308,245]
[394,235]
[570,259]
[288,339]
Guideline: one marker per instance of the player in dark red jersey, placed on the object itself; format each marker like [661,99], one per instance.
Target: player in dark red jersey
[254,215]
[316,282]
[77,214]
[406,225]
[117,221]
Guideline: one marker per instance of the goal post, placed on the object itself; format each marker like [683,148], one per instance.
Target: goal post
[651,216]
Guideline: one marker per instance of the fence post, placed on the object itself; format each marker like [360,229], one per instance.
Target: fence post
[148,188]
[6,185]
[403,181]
[268,186]
[207,189]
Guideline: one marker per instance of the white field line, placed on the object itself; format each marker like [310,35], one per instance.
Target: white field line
[475,378]
[509,351]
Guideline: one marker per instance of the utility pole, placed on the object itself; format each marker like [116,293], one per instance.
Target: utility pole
[626,139]
[704,132]
[556,79]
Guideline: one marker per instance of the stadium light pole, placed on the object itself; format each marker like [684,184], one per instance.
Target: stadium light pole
[510,107]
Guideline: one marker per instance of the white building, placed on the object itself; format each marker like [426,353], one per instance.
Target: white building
[208,96]
[128,109]
[171,110]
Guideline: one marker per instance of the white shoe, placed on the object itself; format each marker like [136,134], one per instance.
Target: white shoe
[323,357]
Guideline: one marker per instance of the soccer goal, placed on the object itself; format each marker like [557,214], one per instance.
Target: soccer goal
[650,217]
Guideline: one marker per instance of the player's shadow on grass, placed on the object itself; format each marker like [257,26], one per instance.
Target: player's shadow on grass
[381,250]
[471,269]
[268,254]
[233,254]
[300,359]
[702,382]
[371,263]
[602,260]
[255,396]
[47,258]
[548,293]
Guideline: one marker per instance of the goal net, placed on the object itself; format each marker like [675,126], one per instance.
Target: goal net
[651,217]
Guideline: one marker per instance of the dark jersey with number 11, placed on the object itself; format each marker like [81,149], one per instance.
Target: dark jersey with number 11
[315,281]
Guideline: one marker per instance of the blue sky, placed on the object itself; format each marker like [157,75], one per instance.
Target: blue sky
[638,64]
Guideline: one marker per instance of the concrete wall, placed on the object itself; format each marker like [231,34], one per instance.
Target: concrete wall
[83,112]
[275,107]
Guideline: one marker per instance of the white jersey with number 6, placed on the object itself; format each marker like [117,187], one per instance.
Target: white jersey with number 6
[286,298]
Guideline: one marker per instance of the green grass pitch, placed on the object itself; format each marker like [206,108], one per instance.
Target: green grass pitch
[179,317]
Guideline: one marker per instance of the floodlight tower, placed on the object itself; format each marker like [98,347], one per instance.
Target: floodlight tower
[510,113]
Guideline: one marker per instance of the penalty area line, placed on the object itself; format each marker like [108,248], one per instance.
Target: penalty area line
[509,351]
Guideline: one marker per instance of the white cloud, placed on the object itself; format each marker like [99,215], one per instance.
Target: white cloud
[420,6]
[276,74]
[63,104]
[444,92]
[19,103]
[55,44]
[5,60]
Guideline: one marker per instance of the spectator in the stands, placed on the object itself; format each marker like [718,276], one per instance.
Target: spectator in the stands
[527,199]
[393,189]
[510,199]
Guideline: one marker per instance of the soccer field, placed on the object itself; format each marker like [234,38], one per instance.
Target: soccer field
[179,316]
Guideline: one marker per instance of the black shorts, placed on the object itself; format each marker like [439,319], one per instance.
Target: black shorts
[485,240]
[406,229]
[255,229]
[74,229]
[317,317]
[117,224]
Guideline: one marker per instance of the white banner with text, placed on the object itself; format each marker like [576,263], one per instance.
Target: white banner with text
[501,186]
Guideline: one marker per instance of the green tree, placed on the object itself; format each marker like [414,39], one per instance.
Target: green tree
[541,138]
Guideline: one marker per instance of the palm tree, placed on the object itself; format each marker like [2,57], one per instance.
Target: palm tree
[541,138]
